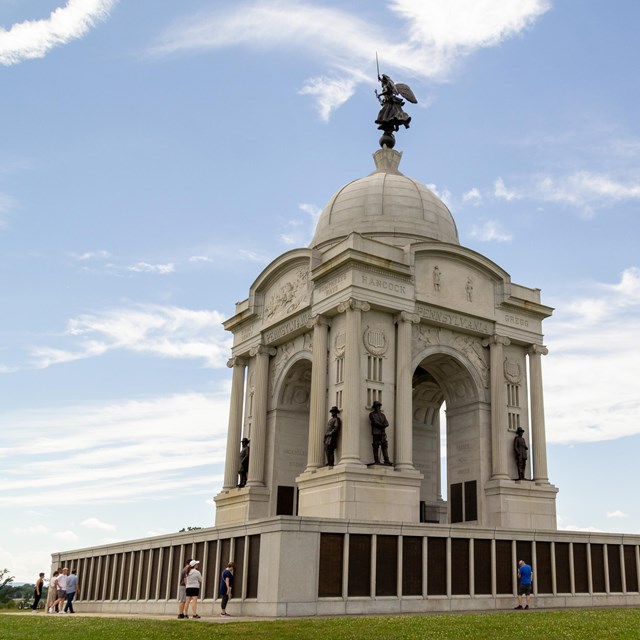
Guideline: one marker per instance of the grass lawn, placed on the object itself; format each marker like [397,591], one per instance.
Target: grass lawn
[576,624]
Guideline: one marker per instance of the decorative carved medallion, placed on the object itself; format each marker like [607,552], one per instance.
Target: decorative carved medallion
[512,371]
[340,343]
[375,341]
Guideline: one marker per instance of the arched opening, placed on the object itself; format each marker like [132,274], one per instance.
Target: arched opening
[290,433]
[446,413]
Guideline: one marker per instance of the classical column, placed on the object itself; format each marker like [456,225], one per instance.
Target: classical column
[496,346]
[318,401]
[538,436]
[255,477]
[352,397]
[404,396]
[235,422]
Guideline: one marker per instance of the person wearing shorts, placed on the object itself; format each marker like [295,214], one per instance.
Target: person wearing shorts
[524,584]
[192,584]
[182,589]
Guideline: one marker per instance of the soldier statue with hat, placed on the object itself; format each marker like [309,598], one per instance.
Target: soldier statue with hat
[244,462]
[379,424]
[331,435]
[520,449]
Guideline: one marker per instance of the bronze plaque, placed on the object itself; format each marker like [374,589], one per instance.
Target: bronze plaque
[459,566]
[615,570]
[411,566]
[359,578]
[482,566]
[211,575]
[386,566]
[543,567]
[504,567]
[437,566]
[597,568]
[563,568]
[580,567]
[330,573]
[630,568]
[254,566]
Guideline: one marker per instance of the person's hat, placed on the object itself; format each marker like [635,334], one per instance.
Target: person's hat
[377,403]
[519,430]
[245,440]
[193,563]
[334,410]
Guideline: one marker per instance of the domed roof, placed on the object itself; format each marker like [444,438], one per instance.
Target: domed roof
[385,205]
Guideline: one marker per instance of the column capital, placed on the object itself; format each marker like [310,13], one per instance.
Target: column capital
[236,361]
[261,350]
[497,340]
[318,321]
[406,316]
[354,304]
[537,349]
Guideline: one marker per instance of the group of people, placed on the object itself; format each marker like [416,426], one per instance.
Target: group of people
[63,589]
[190,583]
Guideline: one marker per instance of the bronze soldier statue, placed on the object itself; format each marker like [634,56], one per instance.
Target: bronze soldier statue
[244,462]
[520,448]
[379,424]
[331,435]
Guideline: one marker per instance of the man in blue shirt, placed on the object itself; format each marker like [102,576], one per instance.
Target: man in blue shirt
[524,584]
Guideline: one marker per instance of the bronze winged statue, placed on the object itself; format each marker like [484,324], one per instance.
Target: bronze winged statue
[391,115]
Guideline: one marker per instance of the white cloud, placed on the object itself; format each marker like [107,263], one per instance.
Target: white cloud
[501,191]
[35,38]
[444,195]
[473,196]
[94,523]
[616,514]
[200,259]
[586,190]
[90,255]
[490,231]
[125,451]
[593,367]
[427,45]
[66,536]
[169,332]
[36,530]
[145,267]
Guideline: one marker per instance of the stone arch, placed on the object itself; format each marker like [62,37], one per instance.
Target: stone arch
[288,431]
[443,374]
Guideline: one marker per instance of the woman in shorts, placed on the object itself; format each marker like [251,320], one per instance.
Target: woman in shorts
[192,584]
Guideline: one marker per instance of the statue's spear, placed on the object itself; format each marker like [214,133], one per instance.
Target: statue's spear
[378,66]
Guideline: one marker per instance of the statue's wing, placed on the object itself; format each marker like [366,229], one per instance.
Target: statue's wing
[405,91]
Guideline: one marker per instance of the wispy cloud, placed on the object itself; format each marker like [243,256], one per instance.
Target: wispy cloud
[123,451]
[490,231]
[500,191]
[146,267]
[473,197]
[169,332]
[592,371]
[95,523]
[616,514]
[426,43]
[299,231]
[35,38]
[586,190]
[91,255]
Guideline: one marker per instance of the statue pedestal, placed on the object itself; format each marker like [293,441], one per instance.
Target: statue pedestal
[242,504]
[520,504]
[357,492]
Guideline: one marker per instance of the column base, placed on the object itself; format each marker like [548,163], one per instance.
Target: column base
[520,504]
[241,504]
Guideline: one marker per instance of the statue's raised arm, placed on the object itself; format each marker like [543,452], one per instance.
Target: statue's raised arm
[391,115]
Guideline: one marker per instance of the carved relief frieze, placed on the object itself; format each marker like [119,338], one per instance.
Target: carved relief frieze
[288,295]
[340,343]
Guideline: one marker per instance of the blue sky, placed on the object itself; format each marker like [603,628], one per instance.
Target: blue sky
[157,155]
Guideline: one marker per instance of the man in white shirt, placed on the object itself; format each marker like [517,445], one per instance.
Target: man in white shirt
[61,593]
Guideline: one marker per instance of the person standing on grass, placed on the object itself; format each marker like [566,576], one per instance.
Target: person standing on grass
[52,592]
[37,592]
[72,588]
[182,588]
[524,584]
[61,590]
[192,584]
[226,587]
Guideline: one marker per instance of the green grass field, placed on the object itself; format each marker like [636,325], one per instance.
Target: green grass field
[577,624]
